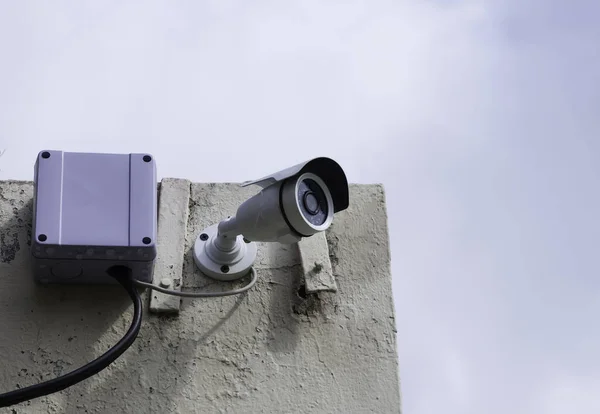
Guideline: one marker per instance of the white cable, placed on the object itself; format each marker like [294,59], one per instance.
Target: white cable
[200,294]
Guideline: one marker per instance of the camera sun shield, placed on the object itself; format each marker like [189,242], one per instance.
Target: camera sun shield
[328,170]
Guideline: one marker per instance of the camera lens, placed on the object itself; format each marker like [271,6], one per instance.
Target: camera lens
[313,202]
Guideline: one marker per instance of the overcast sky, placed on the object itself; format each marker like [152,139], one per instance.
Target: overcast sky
[480,118]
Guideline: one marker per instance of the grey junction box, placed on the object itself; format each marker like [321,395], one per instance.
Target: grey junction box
[92,211]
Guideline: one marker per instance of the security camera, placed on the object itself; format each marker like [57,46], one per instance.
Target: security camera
[294,203]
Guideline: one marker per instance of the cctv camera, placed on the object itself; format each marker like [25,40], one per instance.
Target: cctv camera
[297,202]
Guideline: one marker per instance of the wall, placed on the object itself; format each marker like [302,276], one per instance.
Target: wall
[273,349]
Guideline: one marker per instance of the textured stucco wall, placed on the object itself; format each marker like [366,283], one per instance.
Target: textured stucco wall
[270,350]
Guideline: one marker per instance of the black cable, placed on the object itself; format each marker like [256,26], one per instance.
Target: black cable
[123,276]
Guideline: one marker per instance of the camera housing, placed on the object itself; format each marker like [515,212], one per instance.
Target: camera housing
[294,203]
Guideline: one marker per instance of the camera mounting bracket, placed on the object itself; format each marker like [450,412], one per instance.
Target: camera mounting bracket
[223,257]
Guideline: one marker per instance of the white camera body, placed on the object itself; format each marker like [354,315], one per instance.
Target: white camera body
[296,202]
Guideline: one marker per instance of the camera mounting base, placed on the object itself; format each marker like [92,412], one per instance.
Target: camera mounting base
[221,258]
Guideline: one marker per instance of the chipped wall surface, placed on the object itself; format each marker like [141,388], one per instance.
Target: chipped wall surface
[274,349]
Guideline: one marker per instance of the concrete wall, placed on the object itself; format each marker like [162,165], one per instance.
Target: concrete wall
[270,350]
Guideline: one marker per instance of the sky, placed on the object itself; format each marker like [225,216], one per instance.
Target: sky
[479,117]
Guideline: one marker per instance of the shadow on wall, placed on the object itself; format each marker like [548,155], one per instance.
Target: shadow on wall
[50,330]
[286,294]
